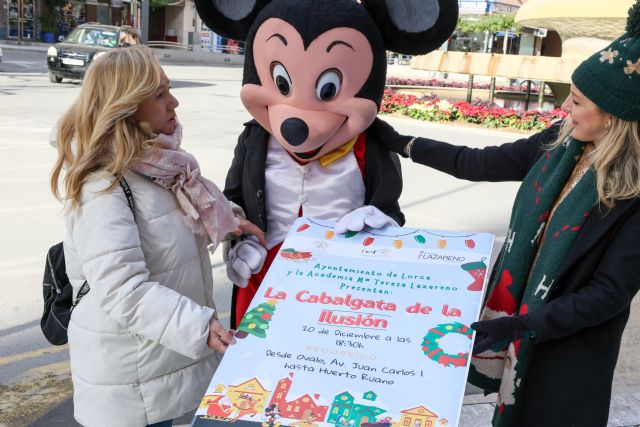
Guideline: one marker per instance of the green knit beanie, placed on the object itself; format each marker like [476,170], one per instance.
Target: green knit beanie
[611,78]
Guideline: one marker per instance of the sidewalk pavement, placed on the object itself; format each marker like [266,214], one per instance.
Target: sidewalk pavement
[28,46]
[477,411]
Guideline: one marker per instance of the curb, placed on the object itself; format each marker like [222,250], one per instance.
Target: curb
[31,47]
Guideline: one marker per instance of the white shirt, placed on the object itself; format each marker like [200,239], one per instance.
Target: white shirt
[322,192]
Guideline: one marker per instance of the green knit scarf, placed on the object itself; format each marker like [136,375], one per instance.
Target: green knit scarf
[520,282]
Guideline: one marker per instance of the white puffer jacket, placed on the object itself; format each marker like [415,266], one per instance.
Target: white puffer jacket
[138,339]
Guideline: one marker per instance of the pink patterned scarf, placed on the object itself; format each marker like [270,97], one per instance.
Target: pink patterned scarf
[171,167]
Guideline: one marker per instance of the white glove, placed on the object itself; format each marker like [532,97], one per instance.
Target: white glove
[244,259]
[366,215]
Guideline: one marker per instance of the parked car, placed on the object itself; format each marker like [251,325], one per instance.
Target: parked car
[70,58]
[0,54]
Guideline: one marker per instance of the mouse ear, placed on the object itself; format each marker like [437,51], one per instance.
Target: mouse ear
[414,27]
[230,18]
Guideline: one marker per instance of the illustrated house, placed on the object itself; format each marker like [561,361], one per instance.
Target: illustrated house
[237,394]
[301,408]
[344,410]
[418,417]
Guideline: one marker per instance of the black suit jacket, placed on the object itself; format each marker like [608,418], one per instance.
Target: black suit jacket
[245,184]
[580,328]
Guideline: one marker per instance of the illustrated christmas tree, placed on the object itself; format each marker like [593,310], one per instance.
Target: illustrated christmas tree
[477,270]
[256,321]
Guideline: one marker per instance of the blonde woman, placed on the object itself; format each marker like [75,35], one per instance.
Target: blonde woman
[143,340]
[560,292]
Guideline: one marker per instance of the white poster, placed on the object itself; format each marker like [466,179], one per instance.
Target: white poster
[360,329]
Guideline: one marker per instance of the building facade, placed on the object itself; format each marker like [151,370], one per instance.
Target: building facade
[499,42]
[173,21]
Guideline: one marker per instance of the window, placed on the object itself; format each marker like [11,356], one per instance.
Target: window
[93,36]
[335,410]
[346,412]
[407,422]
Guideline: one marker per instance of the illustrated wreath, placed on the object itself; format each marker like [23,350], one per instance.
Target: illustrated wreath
[431,344]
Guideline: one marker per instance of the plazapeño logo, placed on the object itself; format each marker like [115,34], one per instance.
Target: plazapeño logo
[422,255]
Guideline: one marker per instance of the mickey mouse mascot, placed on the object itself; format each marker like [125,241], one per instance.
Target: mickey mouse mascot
[314,76]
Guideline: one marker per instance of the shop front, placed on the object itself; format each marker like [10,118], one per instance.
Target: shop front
[18,21]
[110,12]
[25,19]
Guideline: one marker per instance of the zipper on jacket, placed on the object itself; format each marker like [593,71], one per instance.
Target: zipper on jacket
[53,275]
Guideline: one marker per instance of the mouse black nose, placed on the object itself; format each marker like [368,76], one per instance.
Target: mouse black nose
[295,131]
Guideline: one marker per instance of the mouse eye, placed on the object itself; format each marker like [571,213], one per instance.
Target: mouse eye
[328,85]
[281,78]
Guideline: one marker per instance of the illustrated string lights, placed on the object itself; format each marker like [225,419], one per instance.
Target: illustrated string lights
[398,242]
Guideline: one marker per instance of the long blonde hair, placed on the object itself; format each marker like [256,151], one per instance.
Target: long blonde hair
[615,160]
[98,133]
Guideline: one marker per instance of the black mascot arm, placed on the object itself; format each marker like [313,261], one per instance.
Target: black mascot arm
[383,175]
[233,183]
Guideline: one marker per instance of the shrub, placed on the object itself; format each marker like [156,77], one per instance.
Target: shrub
[430,108]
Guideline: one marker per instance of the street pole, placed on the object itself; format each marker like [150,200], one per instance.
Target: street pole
[470,88]
[144,21]
[541,95]
[492,89]
[486,41]
[527,96]
[134,14]
[506,40]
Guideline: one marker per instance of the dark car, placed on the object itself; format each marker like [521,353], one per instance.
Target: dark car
[71,57]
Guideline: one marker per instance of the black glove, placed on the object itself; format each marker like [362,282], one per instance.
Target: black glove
[390,137]
[497,333]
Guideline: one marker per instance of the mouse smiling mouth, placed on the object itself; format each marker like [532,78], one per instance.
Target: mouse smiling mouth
[309,154]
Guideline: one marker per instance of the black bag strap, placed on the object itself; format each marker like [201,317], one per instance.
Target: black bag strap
[127,192]
[84,289]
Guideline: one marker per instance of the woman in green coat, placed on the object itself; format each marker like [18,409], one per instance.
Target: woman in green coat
[560,292]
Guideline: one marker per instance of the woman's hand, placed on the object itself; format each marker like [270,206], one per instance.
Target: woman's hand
[247,227]
[498,333]
[219,338]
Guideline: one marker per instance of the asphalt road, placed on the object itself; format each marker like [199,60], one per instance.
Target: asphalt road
[34,377]
[23,62]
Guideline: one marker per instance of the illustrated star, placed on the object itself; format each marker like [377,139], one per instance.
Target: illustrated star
[608,55]
[632,67]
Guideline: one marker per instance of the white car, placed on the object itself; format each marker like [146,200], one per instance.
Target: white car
[0,54]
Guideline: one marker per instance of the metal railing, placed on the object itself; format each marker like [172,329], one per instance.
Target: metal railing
[226,48]
[170,45]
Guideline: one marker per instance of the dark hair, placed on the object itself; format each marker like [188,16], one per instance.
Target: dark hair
[131,33]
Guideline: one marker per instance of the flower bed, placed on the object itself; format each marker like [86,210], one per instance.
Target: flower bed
[399,81]
[431,108]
